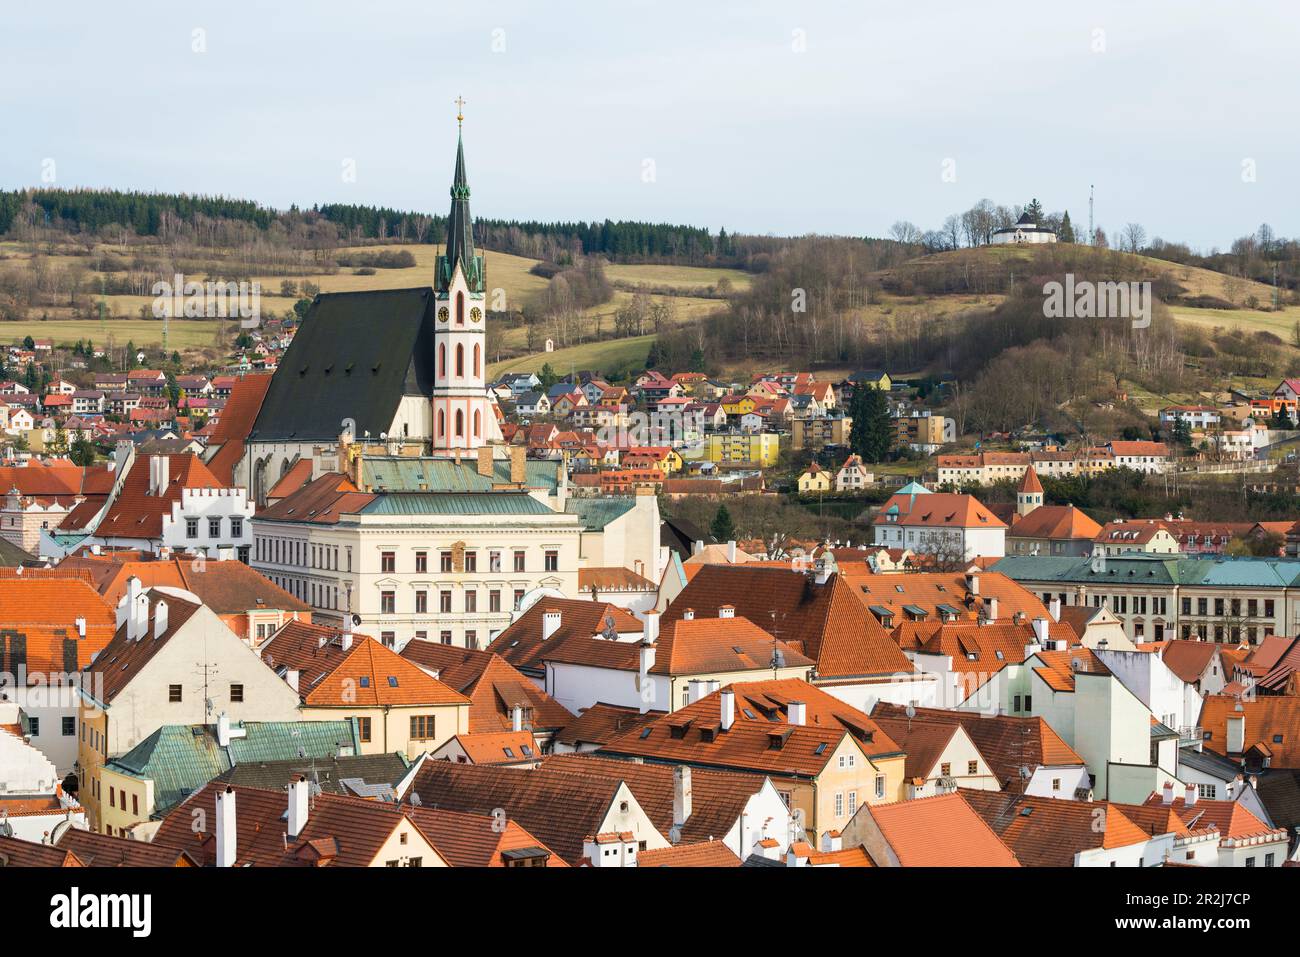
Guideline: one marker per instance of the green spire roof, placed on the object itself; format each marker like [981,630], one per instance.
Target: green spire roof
[460,234]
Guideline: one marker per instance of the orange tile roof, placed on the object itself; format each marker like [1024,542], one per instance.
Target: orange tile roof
[1029,482]
[1188,659]
[492,685]
[1267,717]
[15,852]
[602,723]
[704,854]
[1055,522]
[227,587]
[122,659]
[764,743]
[939,510]
[1232,819]
[929,590]
[321,502]
[44,612]
[135,513]
[1059,667]
[499,747]
[364,675]
[1046,832]
[940,831]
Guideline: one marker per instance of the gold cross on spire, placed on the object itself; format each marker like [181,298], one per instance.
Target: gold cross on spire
[460,110]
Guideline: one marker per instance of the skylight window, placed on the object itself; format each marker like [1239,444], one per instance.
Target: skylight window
[509,752]
[392,681]
[645,733]
[365,681]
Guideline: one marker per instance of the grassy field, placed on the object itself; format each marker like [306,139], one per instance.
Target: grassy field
[609,354]
[680,277]
[182,334]
[1281,323]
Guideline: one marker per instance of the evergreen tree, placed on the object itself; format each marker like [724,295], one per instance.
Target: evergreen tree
[723,529]
[1066,232]
[697,360]
[1035,209]
[872,434]
[548,377]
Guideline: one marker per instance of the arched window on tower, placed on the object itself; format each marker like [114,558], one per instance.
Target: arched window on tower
[460,308]
[442,422]
[460,360]
[476,360]
[478,421]
[442,360]
[460,423]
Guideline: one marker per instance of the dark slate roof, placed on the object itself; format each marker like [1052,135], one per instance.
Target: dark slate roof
[355,356]
[1208,762]
[348,774]
[460,233]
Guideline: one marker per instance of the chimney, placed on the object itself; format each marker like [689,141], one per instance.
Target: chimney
[822,571]
[1237,732]
[1040,632]
[81,627]
[226,827]
[1054,609]
[132,593]
[681,796]
[298,805]
[797,713]
[697,547]
[159,619]
[650,630]
[291,677]
[1061,645]
[158,474]
[727,611]
[1189,795]
[225,733]
[647,650]
[728,699]
[712,685]
[345,636]
[688,614]
[991,608]
[731,552]
[517,718]
[973,583]
[485,461]
[1168,796]
[832,841]
[551,619]
[140,616]
[695,690]
[518,465]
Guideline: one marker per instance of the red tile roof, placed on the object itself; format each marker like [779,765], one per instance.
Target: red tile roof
[44,612]
[704,854]
[136,513]
[940,831]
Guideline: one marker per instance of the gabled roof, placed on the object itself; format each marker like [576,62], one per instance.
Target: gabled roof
[122,659]
[560,807]
[16,852]
[1007,742]
[602,723]
[363,675]
[361,775]
[493,686]
[227,587]
[1047,832]
[136,512]
[101,850]
[826,622]
[1188,659]
[1064,522]
[1268,718]
[718,799]
[761,738]
[708,853]
[321,502]
[38,625]
[355,355]
[1232,819]
[939,831]
[521,643]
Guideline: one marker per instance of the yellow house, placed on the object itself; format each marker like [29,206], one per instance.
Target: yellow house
[760,448]
[337,675]
[815,479]
[738,405]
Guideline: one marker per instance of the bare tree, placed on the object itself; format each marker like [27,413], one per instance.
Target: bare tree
[1134,238]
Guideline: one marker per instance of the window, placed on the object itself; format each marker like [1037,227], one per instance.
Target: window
[519,597]
[444,602]
[460,422]
[236,527]
[191,528]
[135,804]
[69,727]
[471,561]
[880,785]
[853,803]
[839,803]
[388,561]
[519,561]
[1268,860]
[421,727]
[494,561]
[214,528]
[1056,784]
[34,727]
[363,729]
[494,600]
[444,561]
[173,694]
[471,640]
[236,694]
[945,769]
[445,637]
[421,602]
[552,560]
[421,561]
[471,601]
[1250,862]
[388,638]
[387,602]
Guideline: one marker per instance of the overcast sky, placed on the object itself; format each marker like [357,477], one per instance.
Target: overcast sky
[761,117]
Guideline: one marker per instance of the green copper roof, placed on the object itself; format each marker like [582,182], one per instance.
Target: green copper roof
[181,758]
[460,234]
[596,513]
[1138,568]
[430,474]
[456,503]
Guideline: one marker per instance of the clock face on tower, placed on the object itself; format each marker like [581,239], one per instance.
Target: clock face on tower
[476,314]
[443,314]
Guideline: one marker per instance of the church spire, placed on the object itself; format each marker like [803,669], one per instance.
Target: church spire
[460,225]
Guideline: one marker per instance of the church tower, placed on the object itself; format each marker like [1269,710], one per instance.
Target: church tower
[1030,494]
[464,417]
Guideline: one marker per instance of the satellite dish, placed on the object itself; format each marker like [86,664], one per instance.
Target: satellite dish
[778,659]
[356,619]
[910,711]
[674,835]
[1025,772]
[415,799]
[1076,664]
